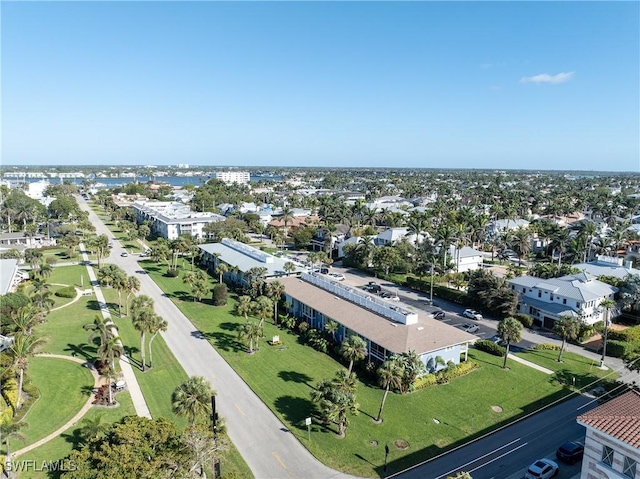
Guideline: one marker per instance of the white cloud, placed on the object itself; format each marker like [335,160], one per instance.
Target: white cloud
[546,78]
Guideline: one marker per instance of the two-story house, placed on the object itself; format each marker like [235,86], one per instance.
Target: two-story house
[547,300]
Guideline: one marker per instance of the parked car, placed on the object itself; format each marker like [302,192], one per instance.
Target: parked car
[471,314]
[439,315]
[385,295]
[469,328]
[337,276]
[498,340]
[570,452]
[542,469]
[124,254]
[372,287]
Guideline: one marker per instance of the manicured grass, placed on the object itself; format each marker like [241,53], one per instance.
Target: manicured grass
[283,377]
[64,388]
[71,276]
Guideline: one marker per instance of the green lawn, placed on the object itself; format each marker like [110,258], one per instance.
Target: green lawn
[283,377]
[64,388]
[61,446]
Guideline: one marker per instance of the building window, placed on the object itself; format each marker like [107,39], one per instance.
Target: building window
[629,467]
[539,294]
[607,455]
[551,298]
[564,301]
[577,304]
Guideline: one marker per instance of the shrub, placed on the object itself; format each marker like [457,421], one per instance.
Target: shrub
[10,392]
[303,327]
[445,375]
[220,295]
[546,347]
[621,349]
[490,347]
[425,381]
[66,292]
[525,319]
[172,272]
[629,334]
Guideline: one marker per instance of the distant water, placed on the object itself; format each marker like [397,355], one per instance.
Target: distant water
[172,180]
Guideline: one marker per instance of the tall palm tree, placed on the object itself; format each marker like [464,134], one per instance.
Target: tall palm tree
[9,430]
[109,350]
[156,325]
[289,267]
[221,269]
[389,376]
[243,307]
[354,348]
[608,305]
[132,287]
[192,399]
[22,349]
[521,243]
[287,216]
[510,330]
[103,329]
[142,316]
[249,331]
[92,428]
[567,327]
[332,327]
[275,289]
[26,317]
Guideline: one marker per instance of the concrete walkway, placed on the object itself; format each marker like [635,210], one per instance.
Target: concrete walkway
[269,448]
[71,422]
[518,359]
[139,403]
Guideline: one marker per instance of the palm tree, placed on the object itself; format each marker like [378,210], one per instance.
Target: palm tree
[93,428]
[289,267]
[26,318]
[104,329]
[132,286]
[521,243]
[275,290]
[23,347]
[120,283]
[389,376]
[353,349]
[287,216]
[509,330]
[8,430]
[250,331]
[243,307]
[567,327]
[192,399]
[142,316]
[110,350]
[332,327]
[607,304]
[156,325]
[221,269]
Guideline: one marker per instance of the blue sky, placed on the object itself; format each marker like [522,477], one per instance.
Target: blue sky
[536,85]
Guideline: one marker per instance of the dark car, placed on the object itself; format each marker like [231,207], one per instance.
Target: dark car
[570,452]
[440,315]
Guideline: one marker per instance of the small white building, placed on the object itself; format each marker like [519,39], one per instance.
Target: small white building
[240,177]
[547,300]
[170,220]
[467,259]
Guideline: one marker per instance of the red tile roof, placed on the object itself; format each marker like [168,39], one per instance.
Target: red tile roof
[619,418]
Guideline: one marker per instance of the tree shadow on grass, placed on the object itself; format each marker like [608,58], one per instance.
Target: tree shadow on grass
[93,305]
[74,438]
[295,410]
[228,326]
[225,341]
[183,296]
[84,351]
[295,376]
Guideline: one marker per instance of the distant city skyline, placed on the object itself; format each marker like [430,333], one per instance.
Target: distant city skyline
[478,85]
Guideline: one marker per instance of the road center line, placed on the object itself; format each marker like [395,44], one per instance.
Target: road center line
[478,458]
[501,456]
[240,410]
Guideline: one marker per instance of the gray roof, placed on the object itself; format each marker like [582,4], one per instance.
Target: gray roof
[425,336]
[581,286]
[607,269]
[7,271]
[245,257]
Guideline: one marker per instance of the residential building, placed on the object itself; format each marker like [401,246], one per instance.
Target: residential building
[547,300]
[465,259]
[612,443]
[388,328]
[10,275]
[608,266]
[241,258]
[170,220]
[240,177]
[21,241]
[498,227]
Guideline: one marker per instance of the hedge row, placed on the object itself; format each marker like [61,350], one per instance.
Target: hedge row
[546,347]
[458,297]
[66,292]
[490,347]
[445,375]
[621,349]
[630,334]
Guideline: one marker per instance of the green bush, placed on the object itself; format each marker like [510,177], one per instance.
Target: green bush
[629,334]
[425,381]
[490,347]
[525,319]
[546,347]
[173,272]
[66,292]
[220,295]
[448,294]
[621,349]
[445,375]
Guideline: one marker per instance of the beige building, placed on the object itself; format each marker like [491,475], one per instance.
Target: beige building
[612,445]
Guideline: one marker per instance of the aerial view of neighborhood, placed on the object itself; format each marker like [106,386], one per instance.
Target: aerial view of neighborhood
[320,240]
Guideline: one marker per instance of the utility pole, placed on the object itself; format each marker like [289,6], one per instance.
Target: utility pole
[214,427]
[431,293]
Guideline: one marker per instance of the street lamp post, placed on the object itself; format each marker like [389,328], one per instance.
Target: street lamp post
[606,330]
[431,293]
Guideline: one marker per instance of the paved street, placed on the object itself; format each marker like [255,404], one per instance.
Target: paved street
[265,444]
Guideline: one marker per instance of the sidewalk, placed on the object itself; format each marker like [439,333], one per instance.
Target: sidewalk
[137,397]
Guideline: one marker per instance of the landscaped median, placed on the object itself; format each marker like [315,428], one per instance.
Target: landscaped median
[416,426]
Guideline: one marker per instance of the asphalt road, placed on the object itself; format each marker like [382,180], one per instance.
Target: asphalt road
[270,450]
[506,453]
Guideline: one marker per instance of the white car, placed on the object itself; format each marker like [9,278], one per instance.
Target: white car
[337,276]
[542,469]
[469,328]
[471,314]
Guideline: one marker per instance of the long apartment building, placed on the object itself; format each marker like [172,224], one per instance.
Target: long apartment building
[171,219]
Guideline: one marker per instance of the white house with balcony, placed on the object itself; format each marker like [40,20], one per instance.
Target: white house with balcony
[548,300]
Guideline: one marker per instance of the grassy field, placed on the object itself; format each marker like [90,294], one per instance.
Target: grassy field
[283,377]
[64,387]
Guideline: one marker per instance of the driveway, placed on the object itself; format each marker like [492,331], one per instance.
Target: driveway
[262,440]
